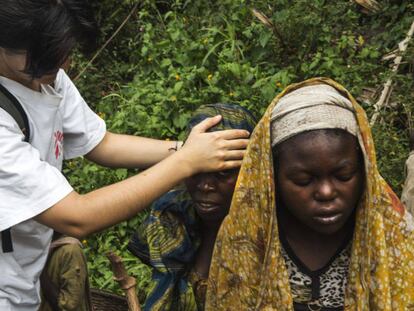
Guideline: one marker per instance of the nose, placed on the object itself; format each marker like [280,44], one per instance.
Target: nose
[206,182]
[325,191]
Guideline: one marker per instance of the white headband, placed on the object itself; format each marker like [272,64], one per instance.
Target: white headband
[314,107]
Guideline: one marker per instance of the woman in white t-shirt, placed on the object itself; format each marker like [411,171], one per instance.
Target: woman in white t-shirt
[34,195]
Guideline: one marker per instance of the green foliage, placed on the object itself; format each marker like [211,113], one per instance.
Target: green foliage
[173,56]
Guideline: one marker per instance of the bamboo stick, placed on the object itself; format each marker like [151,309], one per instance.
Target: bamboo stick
[369,5]
[135,7]
[387,88]
[126,282]
[268,23]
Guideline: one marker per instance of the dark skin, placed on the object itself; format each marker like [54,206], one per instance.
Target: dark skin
[212,194]
[320,180]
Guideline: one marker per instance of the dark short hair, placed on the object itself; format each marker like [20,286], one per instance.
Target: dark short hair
[48,30]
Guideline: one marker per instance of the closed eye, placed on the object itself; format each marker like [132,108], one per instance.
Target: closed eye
[345,174]
[302,182]
[345,177]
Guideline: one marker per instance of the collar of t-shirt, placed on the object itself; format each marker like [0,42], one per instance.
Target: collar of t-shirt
[47,95]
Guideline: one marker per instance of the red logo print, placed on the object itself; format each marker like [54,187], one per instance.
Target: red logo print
[58,143]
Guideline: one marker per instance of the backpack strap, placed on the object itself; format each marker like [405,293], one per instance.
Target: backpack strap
[12,106]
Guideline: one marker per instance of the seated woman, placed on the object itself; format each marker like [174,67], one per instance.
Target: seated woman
[312,225]
[178,237]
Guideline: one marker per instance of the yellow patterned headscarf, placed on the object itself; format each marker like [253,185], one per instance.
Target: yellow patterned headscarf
[248,271]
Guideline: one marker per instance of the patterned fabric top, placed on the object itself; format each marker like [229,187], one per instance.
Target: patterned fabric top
[199,285]
[168,241]
[323,289]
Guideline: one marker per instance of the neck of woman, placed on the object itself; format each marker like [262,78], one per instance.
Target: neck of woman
[202,263]
[314,249]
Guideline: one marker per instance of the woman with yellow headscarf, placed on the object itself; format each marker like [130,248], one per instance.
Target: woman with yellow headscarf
[313,225]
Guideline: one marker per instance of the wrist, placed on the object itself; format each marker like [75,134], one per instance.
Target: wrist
[185,165]
[176,145]
[179,145]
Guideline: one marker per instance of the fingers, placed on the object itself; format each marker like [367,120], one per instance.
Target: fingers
[204,125]
[232,134]
[236,144]
[234,155]
[228,165]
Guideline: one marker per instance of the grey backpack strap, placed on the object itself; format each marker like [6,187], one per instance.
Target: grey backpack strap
[12,106]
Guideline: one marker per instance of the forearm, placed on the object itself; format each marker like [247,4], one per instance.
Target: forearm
[79,215]
[129,151]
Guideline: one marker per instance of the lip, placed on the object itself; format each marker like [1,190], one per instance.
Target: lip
[207,207]
[328,219]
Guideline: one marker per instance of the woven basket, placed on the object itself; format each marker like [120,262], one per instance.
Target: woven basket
[105,301]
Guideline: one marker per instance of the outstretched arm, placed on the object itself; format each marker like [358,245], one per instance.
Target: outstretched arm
[128,151]
[79,215]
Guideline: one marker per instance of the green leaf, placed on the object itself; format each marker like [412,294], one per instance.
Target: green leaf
[264,38]
[178,86]
[121,173]
[165,63]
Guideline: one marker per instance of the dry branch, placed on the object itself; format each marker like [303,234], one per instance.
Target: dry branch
[387,88]
[126,282]
[107,42]
[369,5]
[268,23]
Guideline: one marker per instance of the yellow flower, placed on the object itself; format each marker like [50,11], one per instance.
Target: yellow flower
[361,40]
[101,115]
[205,41]
[174,98]
[177,77]
[278,84]
[209,77]
[84,242]
[149,59]
[231,94]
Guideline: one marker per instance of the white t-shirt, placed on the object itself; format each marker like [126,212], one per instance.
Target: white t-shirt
[62,127]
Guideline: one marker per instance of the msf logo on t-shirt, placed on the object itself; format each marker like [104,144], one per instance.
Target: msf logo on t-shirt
[58,135]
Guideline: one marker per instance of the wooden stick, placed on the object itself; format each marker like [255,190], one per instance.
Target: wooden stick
[107,42]
[386,92]
[126,282]
[268,23]
[369,5]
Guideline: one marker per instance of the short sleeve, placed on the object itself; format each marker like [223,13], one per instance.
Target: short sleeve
[28,185]
[82,128]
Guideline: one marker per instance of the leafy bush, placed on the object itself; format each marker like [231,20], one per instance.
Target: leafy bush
[175,55]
